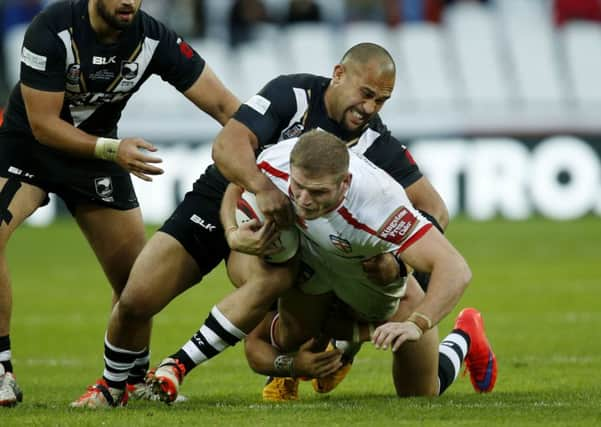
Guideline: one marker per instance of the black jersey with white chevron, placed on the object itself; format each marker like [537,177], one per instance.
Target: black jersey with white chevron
[61,53]
[290,105]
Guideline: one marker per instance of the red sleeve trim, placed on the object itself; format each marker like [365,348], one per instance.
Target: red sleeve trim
[418,235]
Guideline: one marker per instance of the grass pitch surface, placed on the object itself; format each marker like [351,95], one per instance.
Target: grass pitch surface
[537,283]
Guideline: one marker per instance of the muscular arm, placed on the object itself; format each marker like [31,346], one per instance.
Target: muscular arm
[43,112]
[210,95]
[241,168]
[261,355]
[450,273]
[234,155]
[228,206]
[425,198]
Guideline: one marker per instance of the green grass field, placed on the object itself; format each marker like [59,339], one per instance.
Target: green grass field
[537,282]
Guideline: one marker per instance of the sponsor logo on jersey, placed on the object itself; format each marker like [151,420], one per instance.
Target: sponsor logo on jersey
[104,188]
[73,74]
[102,60]
[33,60]
[98,98]
[398,226]
[16,171]
[259,104]
[198,220]
[185,48]
[293,131]
[341,244]
[129,70]
[103,75]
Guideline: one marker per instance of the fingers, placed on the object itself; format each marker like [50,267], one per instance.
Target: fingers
[138,162]
[141,176]
[384,335]
[140,143]
[394,334]
[328,369]
[145,168]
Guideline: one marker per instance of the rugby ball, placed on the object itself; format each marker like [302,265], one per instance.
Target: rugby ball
[247,209]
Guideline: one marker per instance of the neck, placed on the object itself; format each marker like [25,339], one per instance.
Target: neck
[104,32]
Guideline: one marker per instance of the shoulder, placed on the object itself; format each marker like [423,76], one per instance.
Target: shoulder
[57,16]
[377,127]
[371,183]
[152,27]
[300,81]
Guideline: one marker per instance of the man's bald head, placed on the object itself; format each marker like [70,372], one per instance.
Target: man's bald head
[364,53]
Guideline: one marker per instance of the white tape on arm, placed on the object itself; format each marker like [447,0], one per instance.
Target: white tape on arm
[106,148]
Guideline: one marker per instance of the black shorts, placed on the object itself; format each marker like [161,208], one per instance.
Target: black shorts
[196,225]
[75,180]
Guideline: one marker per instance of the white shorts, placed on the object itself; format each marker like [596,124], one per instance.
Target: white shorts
[370,301]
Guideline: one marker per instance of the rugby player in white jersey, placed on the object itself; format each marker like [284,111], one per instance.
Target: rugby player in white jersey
[348,214]
[346,217]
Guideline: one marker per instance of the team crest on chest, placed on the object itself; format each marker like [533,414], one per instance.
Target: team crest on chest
[73,73]
[129,70]
[293,131]
[341,244]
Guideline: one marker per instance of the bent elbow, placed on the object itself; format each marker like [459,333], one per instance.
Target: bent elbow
[38,129]
[466,275]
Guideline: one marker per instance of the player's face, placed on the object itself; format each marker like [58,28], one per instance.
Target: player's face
[314,196]
[360,92]
[118,14]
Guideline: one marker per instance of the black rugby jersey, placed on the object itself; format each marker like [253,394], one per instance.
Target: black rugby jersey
[61,53]
[293,104]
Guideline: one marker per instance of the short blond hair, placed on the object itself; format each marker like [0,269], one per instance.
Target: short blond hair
[320,153]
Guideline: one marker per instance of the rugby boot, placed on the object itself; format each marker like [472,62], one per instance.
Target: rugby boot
[330,382]
[480,360]
[280,389]
[10,393]
[100,395]
[166,379]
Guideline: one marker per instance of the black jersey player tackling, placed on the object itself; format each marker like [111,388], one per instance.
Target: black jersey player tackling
[81,61]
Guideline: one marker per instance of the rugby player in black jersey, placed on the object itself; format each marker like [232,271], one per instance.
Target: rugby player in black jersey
[346,105]
[81,61]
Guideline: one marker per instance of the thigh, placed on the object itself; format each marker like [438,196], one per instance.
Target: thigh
[18,200]
[163,270]
[415,364]
[196,225]
[116,236]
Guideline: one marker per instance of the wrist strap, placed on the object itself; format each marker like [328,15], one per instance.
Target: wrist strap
[284,365]
[106,148]
[422,321]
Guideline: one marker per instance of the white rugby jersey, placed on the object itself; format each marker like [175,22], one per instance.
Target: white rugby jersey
[375,217]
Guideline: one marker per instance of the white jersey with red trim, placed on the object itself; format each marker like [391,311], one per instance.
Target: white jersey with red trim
[375,217]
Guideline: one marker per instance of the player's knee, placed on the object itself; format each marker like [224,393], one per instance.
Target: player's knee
[404,390]
[134,306]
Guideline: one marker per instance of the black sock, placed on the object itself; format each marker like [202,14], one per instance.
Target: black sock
[141,365]
[5,354]
[214,336]
[451,354]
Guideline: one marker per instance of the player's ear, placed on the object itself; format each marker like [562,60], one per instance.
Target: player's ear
[338,73]
[346,181]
